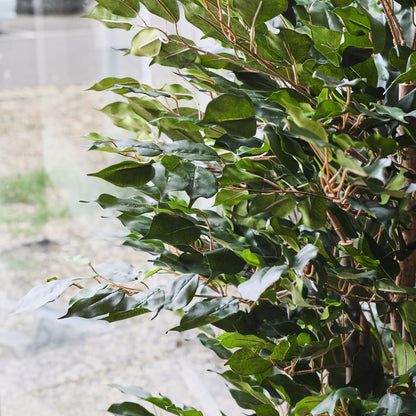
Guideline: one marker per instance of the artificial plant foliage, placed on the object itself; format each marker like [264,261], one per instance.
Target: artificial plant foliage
[274,181]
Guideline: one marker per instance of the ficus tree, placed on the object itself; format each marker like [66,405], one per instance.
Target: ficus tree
[274,182]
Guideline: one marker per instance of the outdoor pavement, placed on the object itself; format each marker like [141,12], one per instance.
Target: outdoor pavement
[51,367]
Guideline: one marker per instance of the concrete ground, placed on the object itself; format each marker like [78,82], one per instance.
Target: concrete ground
[51,367]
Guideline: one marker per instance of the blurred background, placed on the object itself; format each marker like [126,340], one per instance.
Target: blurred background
[49,56]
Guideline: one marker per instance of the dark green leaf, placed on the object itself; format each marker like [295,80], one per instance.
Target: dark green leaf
[353,55]
[232,112]
[202,183]
[329,404]
[207,312]
[100,302]
[223,260]
[127,174]
[128,409]
[173,229]
[181,291]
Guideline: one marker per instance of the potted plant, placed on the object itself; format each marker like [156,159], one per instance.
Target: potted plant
[283,209]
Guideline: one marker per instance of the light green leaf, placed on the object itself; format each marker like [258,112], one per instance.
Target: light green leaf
[111,20]
[146,43]
[231,196]
[41,295]
[252,288]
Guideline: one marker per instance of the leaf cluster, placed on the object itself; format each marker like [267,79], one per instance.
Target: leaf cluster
[279,207]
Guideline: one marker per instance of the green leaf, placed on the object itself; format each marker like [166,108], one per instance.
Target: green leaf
[212,344]
[109,19]
[263,10]
[327,42]
[130,206]
[404,354]
[410,74]
[236,340]
[102,302]
[289,45]
[166,9]
[109,82]
[127,174]
[231,196]
[202,183]
[160,401]
[173,229]
[223,260]
[313,210]
[329,404]
[232,175]
[172,54]
[407,310]
[181,291]
[128,409]
[291,391]
[207,312]
[41,295]
[327,109]
[356,22]
[187,150]
[397,405]
[302,258]
[306,128]
[260,281]
[353,55]
[285,233]
[123,115]
[146,43]
[125,8]
[246,362]
[232,112]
